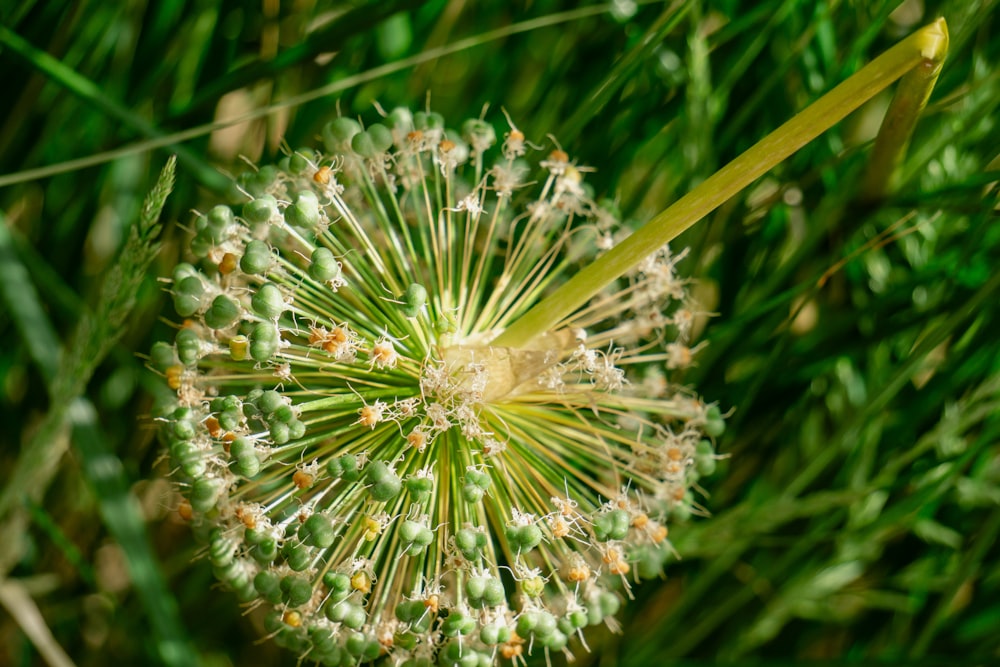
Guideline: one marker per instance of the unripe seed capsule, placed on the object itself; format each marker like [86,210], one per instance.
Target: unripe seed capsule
[263,341]
[280,433]
[188,295]
[266,551]
[260,210]
[715,425]
[219,221]
[479,134]
[297,557]
[296,590]
[162,356]
[296,429]
[317,531]
[324,267]
[337,134]
[305,211]
[372,142]
[472,494]
[301,160]
[270,402]
[222,313]
[268,585]
[257,258]
[205,492]
[268,301]
[414,299]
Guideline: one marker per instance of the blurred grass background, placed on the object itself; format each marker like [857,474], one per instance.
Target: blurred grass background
[858,347]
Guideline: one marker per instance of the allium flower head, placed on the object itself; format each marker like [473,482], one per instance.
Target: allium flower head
[359,456]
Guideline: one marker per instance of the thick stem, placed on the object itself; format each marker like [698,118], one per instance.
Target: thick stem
[922,50]
[897,126]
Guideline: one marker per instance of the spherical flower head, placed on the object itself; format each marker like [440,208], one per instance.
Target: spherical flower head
[359,455]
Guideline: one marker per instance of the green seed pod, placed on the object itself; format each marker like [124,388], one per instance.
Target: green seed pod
[337,134]
[704,458]
[182,271]
[222,313]
[205,492]
[414,299]
[188,346]
[266,551]
[526,623]
[410,610]
[474,588]
[221,550]
[229,419]
[465,540]
[304,212]
[301,160]
[555,641]
[385,484]
[472,493]
[355,643]
[200,245]
[377,471]
[419,488]
[162,356]
[296,429]
[609,603]
[267,584]
[258,211]
[324,267]
[409,530]
[263,341]
[494,633]
[524,538]
[682,511]
[339,585]
[457,623]
[372,142]
[351,468]
[612,525]
[533,587]
[317,531]
[355,617]
[247,465]
[189,457]
[715,425]
[479,134]
[218,223]
[183,427]
[545,624]
[270,401]
[424,120]
[268,301]
[280,433]
[297,556]
[284,414]
[493,593]
[257,258]
[400,119]
[446,324]
[480,479]
[295,590]
[188,296]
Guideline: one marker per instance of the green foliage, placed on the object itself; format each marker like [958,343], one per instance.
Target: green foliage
[858,506]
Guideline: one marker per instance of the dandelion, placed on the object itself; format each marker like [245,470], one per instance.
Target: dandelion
[364,462]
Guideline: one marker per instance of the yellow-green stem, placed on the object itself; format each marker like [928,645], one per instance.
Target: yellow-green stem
[897,127]
[923,51]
